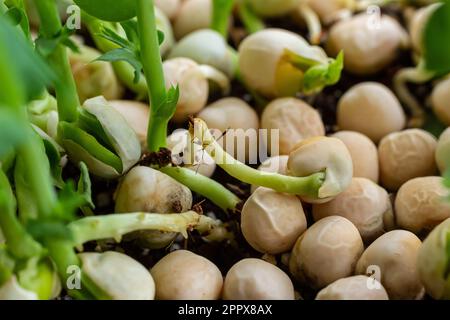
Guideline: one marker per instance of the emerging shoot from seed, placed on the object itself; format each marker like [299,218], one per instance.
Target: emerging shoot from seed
[303,186]
[277,63]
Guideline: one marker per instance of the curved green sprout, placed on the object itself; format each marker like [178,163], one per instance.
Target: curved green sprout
[115,226]
[301,186]
[434,62]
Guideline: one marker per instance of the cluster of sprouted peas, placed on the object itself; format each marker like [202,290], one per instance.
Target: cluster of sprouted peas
[122,124]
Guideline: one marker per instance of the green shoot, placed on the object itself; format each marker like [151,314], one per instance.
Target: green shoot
[221,15]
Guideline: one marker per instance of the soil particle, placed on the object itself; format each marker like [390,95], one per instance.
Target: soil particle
[176,206]
[162,158]
[198,207]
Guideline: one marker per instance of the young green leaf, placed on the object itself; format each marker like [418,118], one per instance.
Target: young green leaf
[72,134]
[111,35]
[109,10]
[168,107]
[436,41]
[19,17]
[321,75]
[64,210]
[46,46]
[129,47]
[69,202]
[89,123]
[123,54]
[131,30]
[161,37]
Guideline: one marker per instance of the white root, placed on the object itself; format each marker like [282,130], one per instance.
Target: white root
[313,23]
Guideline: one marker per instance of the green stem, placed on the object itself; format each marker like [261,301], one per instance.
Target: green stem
[37,174]
[114,226]
[64,257]
[153,71]
[65,87]
[221,16]
[11,94]
[301,186]
[204,186]
[251,21]
[157,133]
[20,243]
[7,264]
